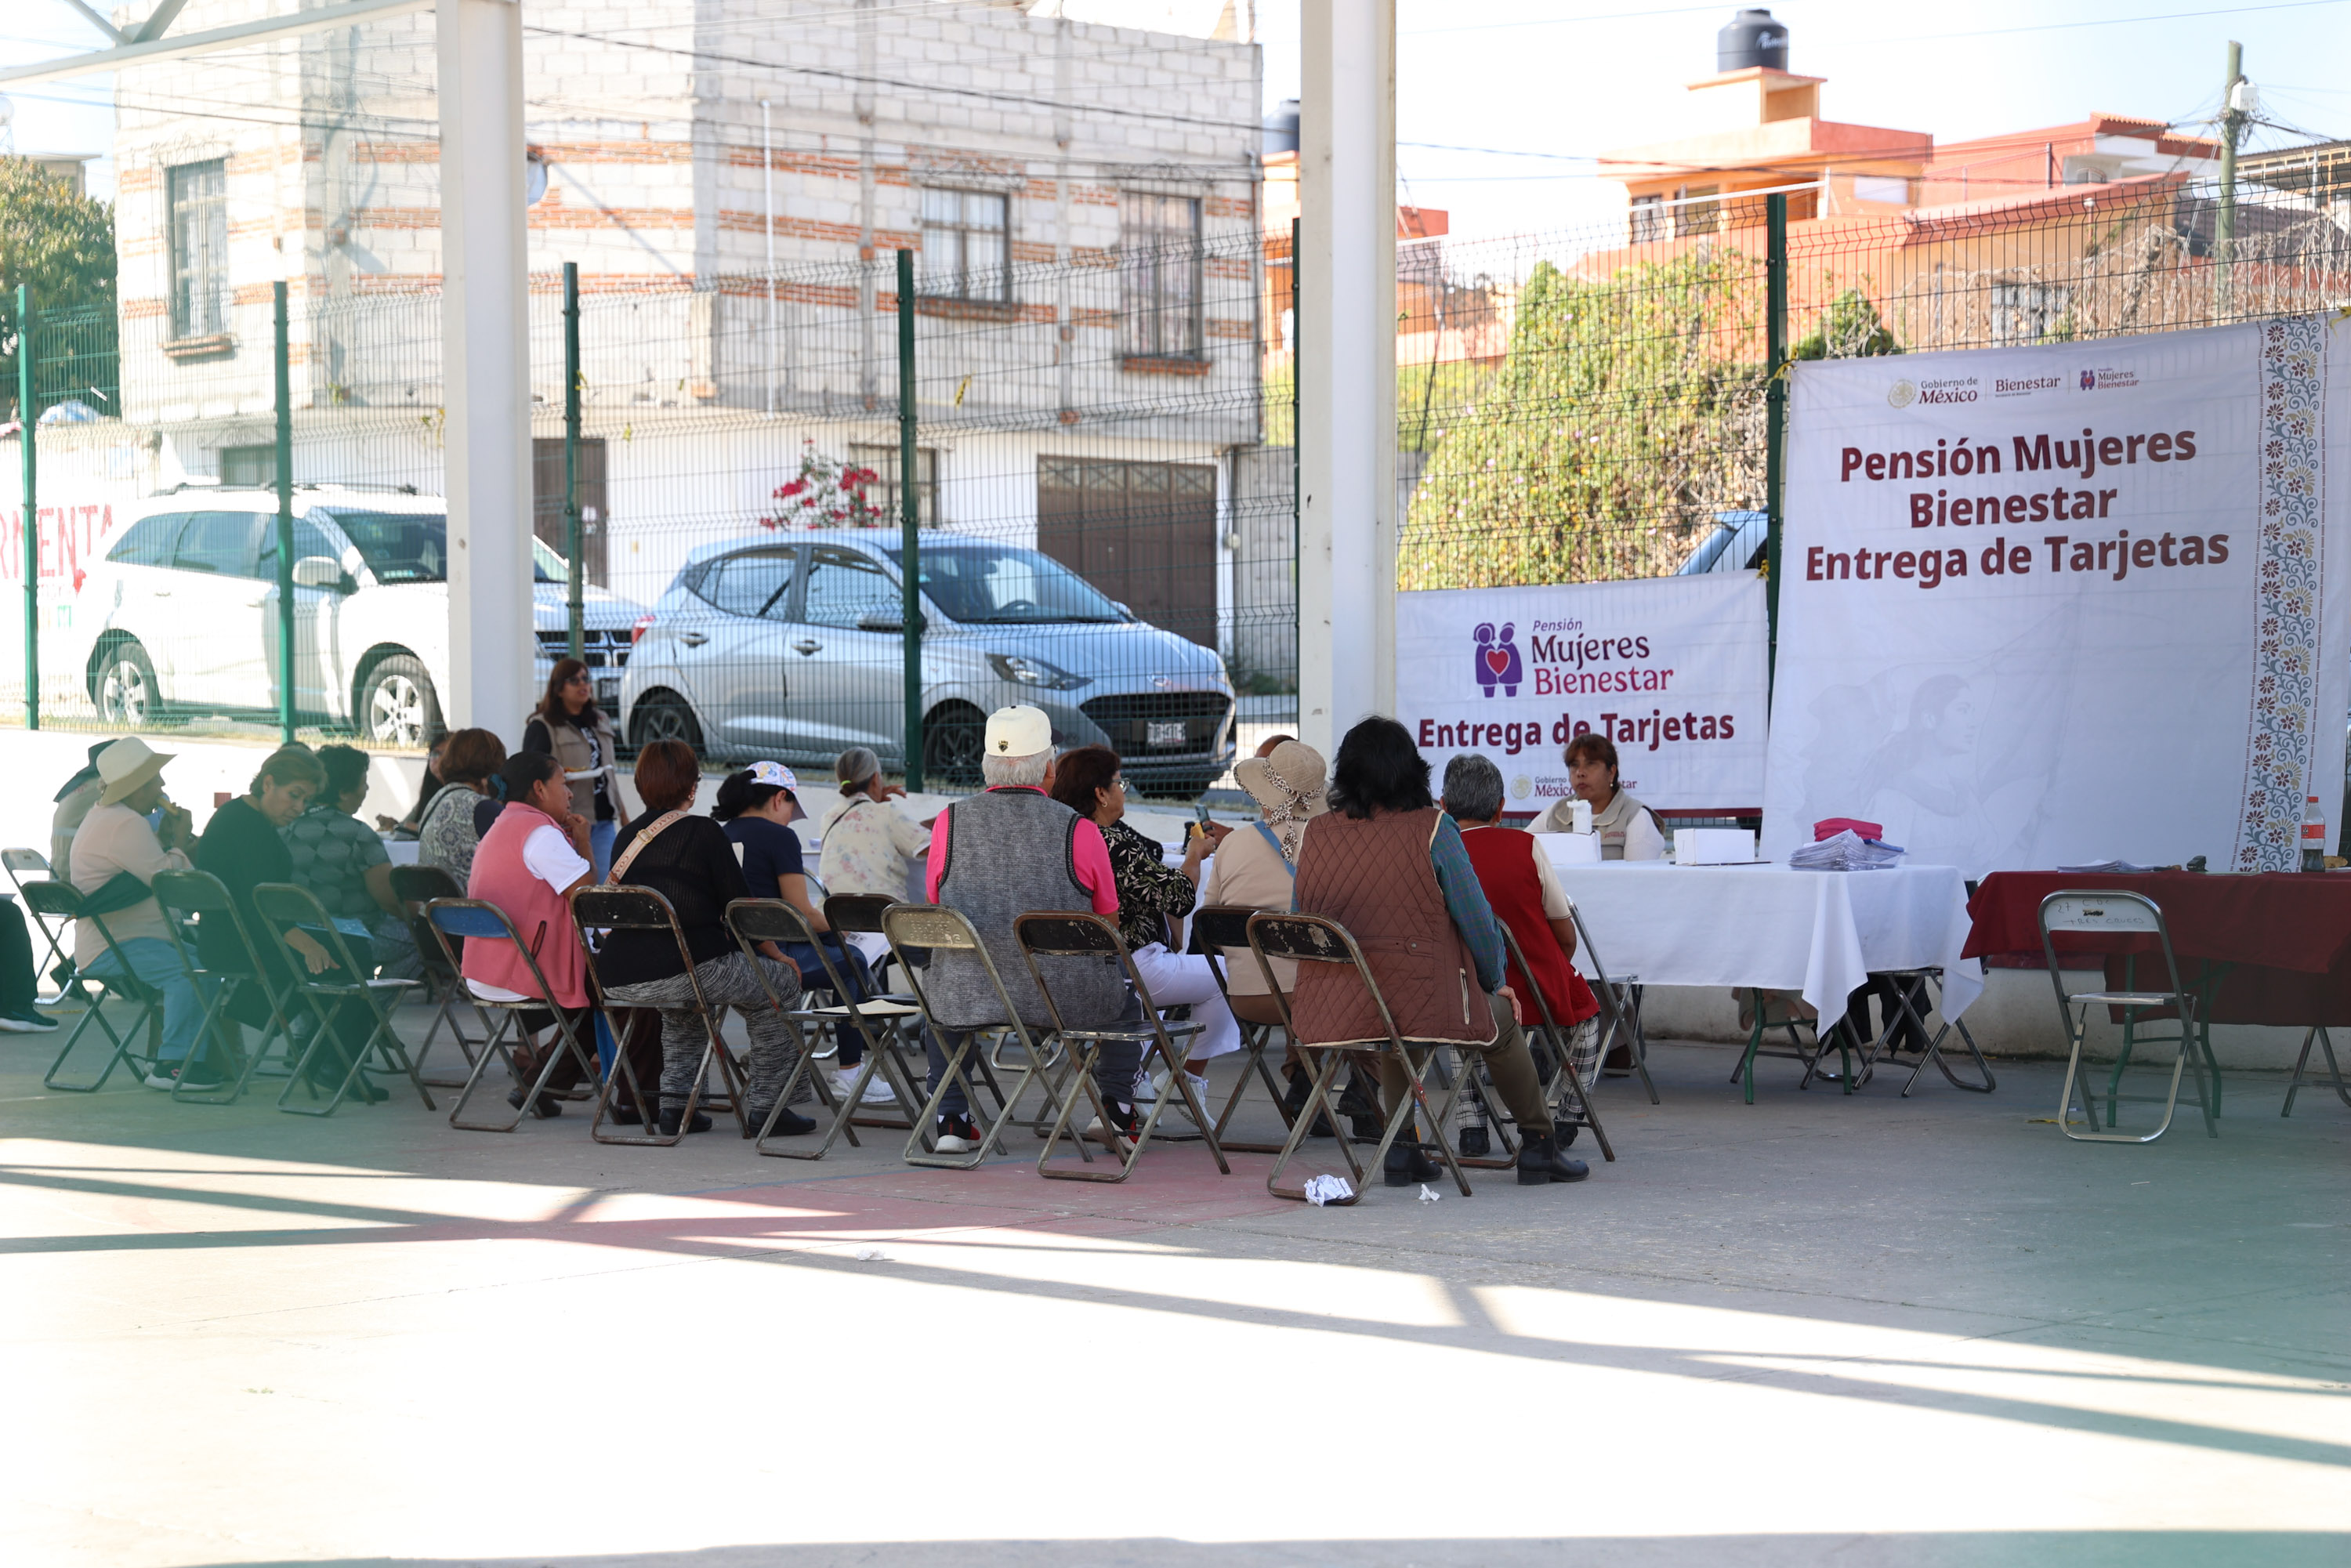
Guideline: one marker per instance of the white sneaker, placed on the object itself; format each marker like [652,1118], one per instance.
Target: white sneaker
[877,1090]
[1146,1089]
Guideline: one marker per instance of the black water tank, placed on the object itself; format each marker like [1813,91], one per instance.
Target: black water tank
[1282,127]
[1751,39]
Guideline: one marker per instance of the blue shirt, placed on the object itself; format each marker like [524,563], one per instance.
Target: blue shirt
[767,850]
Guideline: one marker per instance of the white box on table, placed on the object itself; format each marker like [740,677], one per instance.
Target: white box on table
[1713,846]
[1571,849]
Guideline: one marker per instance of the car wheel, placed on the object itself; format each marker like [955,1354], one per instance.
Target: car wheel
[397,705]
[954,737]
[126,690]
[664,715]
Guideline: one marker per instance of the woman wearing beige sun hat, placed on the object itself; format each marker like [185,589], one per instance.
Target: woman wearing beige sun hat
[1254,867]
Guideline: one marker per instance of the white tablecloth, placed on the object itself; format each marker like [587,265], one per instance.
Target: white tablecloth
[1816,932]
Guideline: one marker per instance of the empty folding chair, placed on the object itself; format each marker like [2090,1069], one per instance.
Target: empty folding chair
[194,894]
[448,922]
[1912,1001]
[285,908]
[757,920]
[1215,929]
[1768,1011]
[928,929]
[2302,1079]
[1620,1007]
[58,901]
[608,908]
[1312,939]
[2125,915]
[1088,936]
[444,989]
[1564,1089]
[25,866]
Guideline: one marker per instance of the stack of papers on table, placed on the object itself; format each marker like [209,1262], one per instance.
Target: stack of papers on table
[1848,850]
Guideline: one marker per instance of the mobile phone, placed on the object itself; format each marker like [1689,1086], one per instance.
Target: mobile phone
[1200,818]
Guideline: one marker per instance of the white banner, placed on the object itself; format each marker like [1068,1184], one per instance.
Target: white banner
[2050,605]
[1671,669]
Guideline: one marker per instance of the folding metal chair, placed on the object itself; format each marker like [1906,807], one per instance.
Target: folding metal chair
[1311,939]
[2128,914]
[186,894]
[757,920]
[25,866]
[416,886]
[285,908]
[60,902]
[1564,1082]
[2301,1080]
[1215,929]
[608,908]
[451,920]
[1089,936]
[927,928]
[1794,1050]
[1620,1007]
[1911,988]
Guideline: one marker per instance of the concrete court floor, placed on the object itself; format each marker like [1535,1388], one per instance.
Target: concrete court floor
[1818,1329]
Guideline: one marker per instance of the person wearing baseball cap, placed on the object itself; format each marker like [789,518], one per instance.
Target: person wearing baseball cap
[120,839]
[1009,850]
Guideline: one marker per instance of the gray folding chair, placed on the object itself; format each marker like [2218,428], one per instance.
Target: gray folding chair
[285,908]
[1911,990]
[1215,929]
[449,921]
[1620,1007]
[757,920]
[1088,936]
[444,987]
[1793,1048]
[2302,1079]
[631,908]
[1311,939]
[60,902]
[2126,914]
[199,895]
[928,929]
[29,866]
[1565,1083]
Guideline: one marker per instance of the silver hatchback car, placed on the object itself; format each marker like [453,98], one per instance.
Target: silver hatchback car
[790,647]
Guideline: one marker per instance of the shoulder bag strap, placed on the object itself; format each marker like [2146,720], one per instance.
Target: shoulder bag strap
[629,856]
[1273,838]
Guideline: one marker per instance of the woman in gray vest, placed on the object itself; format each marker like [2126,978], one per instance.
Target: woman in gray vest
[1012,850]
[570,728]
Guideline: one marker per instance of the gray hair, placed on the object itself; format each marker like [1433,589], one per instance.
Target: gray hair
[855,767]
[1473,788]
[996,772]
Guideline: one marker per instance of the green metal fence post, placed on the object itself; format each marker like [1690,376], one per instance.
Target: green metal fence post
[910,523]
[573,549]
[31,513]
[1775,413]
[285,519]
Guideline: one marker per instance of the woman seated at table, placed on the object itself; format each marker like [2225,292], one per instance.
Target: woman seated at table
[1628,830]
[1385,863]
[690,861]
[1152,899]
[532,860]
[445,834]
[759,806]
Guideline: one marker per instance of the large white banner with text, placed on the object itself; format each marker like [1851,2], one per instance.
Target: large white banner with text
[2072,602]
[1671,669]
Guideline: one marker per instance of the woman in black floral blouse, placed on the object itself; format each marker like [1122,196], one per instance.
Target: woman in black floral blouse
[1152,899]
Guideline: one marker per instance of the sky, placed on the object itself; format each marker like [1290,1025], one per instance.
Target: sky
[1501,105]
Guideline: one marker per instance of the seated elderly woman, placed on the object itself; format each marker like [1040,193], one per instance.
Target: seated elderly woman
[446,833]
[343,862]
[867,844]
[1152,899]
[690,861]
[1004,853]
[1389,866]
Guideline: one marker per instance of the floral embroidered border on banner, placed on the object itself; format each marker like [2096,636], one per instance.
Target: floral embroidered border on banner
[2278,757]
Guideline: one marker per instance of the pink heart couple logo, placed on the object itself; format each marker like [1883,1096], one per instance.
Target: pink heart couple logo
[1497,660]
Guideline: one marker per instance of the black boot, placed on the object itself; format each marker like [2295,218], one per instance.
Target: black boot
[1472,1142]
[1406,1164]
[1362,1112]
[547,1105]
[1293,1102]
[1540,1163]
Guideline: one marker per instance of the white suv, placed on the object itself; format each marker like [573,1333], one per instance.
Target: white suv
[181,617]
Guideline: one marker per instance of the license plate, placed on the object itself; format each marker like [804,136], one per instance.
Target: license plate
[1168,732]
[608,692]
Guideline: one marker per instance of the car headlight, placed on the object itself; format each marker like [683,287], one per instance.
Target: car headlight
[1028,671]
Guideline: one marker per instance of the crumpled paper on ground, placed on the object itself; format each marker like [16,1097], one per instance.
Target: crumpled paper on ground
[1324,1189]
[1426,1196]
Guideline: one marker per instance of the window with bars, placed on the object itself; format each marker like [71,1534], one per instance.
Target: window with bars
[198,194]
[883,460]
[967,238]
[1159,253]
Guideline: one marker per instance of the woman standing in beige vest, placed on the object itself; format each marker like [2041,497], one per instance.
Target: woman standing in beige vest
[570,728]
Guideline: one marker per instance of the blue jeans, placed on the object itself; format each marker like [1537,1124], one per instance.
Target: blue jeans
[851,962]
[155,966]
[600,836]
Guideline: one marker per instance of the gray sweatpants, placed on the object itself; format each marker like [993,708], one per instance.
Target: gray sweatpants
[725,980]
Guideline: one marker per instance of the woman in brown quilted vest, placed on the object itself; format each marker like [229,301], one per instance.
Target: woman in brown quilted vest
[1385,863]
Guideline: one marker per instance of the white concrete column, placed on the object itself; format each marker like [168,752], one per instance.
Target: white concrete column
[1346,367]
[486,367]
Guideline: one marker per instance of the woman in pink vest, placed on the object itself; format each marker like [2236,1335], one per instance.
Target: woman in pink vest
[534,855]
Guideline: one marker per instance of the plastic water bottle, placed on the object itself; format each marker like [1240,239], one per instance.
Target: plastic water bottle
[2314,836]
